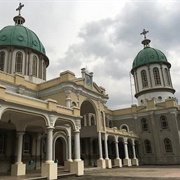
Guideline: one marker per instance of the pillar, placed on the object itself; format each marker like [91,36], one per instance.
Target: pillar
[77,166]
[19,168]
[126,160]
[100,162]
[135,161]
[49,168]
[108,161]
[117,161]
[68,98]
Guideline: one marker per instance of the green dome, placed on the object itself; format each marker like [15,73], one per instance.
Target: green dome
[149,55]
[20,36]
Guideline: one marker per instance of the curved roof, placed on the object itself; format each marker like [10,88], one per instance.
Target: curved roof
[149,55]
[18,35]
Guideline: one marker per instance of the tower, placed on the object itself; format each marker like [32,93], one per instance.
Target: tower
[151,72]
[22,52]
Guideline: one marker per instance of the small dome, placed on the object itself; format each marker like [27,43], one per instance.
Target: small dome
[149,55]
[20,36]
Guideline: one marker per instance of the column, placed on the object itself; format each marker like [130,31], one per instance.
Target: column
[49,168]
[100,145]
[134,160]
[126,161]
[108,161]
[77,145]
[19,168]
[77,166]
[68,98]
[19,146]
[117,161]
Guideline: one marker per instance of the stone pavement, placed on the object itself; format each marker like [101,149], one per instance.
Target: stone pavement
[124,173]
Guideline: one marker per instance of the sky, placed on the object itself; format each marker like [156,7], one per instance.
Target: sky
[102,36]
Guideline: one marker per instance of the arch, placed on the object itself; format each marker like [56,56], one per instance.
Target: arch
[157,79]
[164,122]
[125,127]
[147,144]
[168,145]
[144,78]
[19,62]
[73,104]
[62,121]
[2,60]
[144,124]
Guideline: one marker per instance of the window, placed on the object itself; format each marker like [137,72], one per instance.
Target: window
[144,124]
[167,77]
[2,58]
[147,145]
[73,104]
[157,79]
[168,145]
[34,66]
[19,62]
[82,121]
[27,144]
[164,122]
[144,78]
[125,127]
[2,143]
[110,124]
[92,121]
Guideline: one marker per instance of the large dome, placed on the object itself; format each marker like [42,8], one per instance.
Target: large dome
[149,55]
[18,35]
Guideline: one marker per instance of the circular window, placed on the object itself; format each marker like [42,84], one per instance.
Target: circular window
[3,38]
[20,38]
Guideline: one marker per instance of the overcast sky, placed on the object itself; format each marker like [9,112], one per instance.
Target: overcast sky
[102,35]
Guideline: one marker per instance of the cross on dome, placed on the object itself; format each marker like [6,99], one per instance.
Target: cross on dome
[144,33]
[19,8]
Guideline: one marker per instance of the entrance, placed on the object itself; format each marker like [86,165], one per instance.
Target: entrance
[59,151]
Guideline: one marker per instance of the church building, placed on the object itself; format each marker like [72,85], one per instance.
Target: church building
[65,122]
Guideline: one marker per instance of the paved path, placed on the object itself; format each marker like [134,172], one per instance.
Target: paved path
[124,173]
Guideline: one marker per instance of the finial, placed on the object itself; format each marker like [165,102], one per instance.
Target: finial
[19,8]
[145,42]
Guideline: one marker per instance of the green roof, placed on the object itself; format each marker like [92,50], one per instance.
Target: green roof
[149,55]
[18,35]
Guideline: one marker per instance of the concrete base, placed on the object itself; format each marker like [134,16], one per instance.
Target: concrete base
[127,162]
[67,165]
[108,163]
[49,170]
[118,162]
[135,162]
[77,167]
[101,163]
[18,169]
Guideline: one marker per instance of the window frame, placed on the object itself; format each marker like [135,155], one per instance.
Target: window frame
[144,79]
[157,78]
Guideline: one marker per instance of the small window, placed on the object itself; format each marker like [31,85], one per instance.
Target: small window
[144,79]
[92,121]
[34,68]
[157,79]
[164,122]
[82,121]
[2,59]
[27,144]
[147,145]
[125,127]
[168,145]
[73,104]
[167,77]
[19,62]
[144,124]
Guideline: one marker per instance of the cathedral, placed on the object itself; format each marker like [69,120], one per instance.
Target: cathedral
[65,122]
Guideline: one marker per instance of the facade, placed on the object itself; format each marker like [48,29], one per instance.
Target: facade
[65,122]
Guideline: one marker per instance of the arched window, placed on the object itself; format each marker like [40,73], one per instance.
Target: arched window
[92,121]
[19,62]
[147,145]
[2,59]
[144,78]
[157,79]
[34,68]
[144,124]
[2,143]
[27,144]
[125,127]
[168,145]
[167,78]
[73,104]
[164,122]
